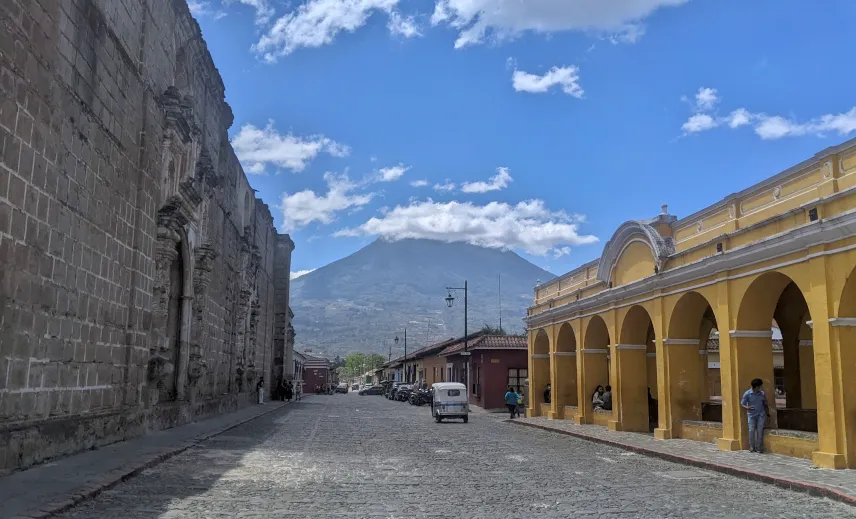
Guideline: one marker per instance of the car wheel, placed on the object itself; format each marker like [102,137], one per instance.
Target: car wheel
[466,419]
[438,418]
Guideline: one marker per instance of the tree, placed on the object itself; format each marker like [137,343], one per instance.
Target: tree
[491,330]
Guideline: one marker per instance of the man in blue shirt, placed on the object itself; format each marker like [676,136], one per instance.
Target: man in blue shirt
[755,402]
[511,402]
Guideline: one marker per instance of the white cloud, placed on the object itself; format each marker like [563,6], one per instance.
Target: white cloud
[404,26]
[765,126]
[299,273]
[475,20]
[257,148]
[317,23]
[264,11]
[699,123]
[301,209]
[565,77]
[448,186]
[496,183]
[200,8]
[392,174]
[419,183]
[706,99]
[527,226]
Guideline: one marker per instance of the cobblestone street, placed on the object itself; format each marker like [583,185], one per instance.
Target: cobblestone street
[364,456]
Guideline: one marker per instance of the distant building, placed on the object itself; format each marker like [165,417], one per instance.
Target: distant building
[316,373]
[495,362]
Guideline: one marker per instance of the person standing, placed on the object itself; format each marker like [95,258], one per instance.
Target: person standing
[547,394]
[289,392]
[261,389]
[511,397]
[755,402]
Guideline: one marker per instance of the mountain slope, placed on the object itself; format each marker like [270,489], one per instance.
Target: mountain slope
[362,301]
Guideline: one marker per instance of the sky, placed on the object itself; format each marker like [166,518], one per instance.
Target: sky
[537,126]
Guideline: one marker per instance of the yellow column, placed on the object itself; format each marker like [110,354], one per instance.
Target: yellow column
[732,417]
[632,397]
[538,378]
[565,382]
[684,381]
[807,382]
[752,358]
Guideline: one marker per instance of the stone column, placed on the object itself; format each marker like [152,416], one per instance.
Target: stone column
[283,336]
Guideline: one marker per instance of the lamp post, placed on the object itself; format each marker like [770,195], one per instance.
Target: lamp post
[405,354]
[450,300]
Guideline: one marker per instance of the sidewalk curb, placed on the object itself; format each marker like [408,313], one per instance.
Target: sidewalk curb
[113,478]
[801,486]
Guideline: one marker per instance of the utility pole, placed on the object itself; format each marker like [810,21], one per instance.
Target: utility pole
[500,303]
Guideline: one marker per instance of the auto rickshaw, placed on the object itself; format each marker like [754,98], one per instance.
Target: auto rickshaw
[450,401]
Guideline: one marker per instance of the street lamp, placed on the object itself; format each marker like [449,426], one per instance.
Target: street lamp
[450,300]
[405,355]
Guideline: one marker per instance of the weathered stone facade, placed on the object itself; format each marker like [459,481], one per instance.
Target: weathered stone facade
[137,268]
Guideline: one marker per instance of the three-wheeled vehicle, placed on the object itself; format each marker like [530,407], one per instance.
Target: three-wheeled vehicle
[450,401]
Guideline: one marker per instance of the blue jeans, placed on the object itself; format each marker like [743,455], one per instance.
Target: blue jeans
[756,432]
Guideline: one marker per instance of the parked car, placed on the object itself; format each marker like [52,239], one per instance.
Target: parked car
[342,388]
[372,390]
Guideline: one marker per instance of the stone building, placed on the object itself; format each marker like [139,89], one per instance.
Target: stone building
[142,283]
[772,263]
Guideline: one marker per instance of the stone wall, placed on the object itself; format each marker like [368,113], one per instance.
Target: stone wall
[136,265]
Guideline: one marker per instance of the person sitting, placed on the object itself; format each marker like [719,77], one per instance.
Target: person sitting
[597,397]
[606,399]
[547,394]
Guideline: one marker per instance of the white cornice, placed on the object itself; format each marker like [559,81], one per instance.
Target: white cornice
[642,347]
[564,353]
[540,355]
[681,342]
[751,334]
[595,350]
[842,321]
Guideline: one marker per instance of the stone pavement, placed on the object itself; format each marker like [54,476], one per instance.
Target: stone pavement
[349,456]
[784,471]
[55,486]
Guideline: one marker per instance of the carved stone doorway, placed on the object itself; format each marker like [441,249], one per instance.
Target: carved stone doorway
[174,323]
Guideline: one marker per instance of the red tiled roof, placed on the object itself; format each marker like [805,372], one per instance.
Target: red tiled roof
[489,342]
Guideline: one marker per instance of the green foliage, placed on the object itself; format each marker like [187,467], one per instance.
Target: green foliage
[493,330]
[356,364]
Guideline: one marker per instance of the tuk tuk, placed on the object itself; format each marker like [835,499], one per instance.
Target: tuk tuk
[450,401]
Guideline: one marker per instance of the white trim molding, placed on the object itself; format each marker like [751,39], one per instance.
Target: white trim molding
[751,334]
[810,324]
[651,354]
[840,322]
[631,346]
[808,342]
[540,355]
[702,352]
[681,342]
[564,354]
[595,350]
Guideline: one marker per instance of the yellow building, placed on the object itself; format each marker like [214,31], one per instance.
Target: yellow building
[781,251]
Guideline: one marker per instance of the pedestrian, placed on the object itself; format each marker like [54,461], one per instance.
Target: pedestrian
[597,397]
[261,389]
[519,403]
[547,394]
[511,397]
[289,392]
[606,399]
[758,410]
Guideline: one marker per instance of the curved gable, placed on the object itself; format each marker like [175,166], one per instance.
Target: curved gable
[635,251]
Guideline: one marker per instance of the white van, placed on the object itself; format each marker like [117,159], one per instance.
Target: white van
[450,401]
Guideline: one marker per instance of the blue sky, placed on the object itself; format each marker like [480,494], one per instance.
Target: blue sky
[539,128]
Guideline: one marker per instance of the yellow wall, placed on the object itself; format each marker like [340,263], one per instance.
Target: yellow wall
[635,262]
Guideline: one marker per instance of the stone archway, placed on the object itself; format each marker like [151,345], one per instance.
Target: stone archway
[637,333]
[690,383]
[565,368]
[594,365]
[773,297]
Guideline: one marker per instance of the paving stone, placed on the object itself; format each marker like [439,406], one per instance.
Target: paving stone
[349,456]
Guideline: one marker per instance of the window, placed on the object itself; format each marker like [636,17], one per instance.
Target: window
[517,378]
[454,392]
